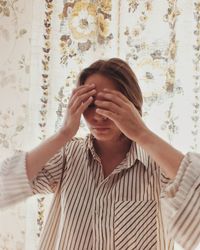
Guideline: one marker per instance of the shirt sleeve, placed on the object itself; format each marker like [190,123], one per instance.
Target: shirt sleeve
[14,184]
[180,200]
[49,177]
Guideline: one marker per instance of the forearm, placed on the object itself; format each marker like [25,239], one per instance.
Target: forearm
[167,157]
[38,157]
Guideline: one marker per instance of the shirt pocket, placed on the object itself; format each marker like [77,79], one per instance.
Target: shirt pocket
[135,225]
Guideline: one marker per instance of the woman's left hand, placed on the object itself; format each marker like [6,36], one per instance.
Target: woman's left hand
[115,106]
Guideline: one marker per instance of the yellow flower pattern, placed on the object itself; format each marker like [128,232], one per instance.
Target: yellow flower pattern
[105,5]
[103,25]
[82,22]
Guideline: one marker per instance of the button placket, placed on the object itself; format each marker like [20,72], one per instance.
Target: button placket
[103,238]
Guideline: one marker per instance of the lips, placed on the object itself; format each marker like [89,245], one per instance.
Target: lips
[101,129]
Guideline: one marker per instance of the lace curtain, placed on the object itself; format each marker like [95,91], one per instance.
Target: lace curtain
[45,44]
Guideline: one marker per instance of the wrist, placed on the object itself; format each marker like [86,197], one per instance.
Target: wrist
[64,134]
[144,136]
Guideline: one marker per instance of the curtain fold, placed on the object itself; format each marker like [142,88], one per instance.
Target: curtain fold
[45,44]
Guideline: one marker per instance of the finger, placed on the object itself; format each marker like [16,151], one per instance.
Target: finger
[114,97]
[75,90]
[82,89]
[117,93]
[108,105]
[85,96]
[77,101]
[80,92]
[112,116]
[84,105]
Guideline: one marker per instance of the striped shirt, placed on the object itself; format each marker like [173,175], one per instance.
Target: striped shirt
[122,211]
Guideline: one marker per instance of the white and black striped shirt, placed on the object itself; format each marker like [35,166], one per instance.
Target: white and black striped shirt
[121,211]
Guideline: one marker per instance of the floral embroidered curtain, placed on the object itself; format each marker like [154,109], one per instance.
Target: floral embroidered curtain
[45,44]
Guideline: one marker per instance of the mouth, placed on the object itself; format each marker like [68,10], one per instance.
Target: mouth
[101,129]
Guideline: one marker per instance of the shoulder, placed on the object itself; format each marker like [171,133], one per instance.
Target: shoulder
[75,145]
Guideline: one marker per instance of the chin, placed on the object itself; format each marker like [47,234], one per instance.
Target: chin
[104,136]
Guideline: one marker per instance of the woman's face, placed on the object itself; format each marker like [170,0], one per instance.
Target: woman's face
[103,129]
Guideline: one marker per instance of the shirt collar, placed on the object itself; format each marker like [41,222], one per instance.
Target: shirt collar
[90,147]
[136,152]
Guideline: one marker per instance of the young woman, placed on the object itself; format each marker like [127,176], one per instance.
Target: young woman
[107,187]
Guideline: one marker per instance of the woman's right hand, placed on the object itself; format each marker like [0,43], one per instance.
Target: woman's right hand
[80,99]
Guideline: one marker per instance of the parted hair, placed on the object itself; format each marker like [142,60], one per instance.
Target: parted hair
[121,74]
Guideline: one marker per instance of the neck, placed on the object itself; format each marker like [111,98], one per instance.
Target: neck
[113,147]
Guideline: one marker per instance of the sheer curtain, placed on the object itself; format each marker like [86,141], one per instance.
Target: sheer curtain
[45,44]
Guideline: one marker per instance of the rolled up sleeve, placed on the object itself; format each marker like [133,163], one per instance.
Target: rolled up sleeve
[48,178]
[14,184]
[180,200]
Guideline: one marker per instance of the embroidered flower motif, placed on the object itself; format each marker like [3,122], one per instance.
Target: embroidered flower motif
[4,8]
[82,21]
[103,26]
[105,5]
[133,4]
